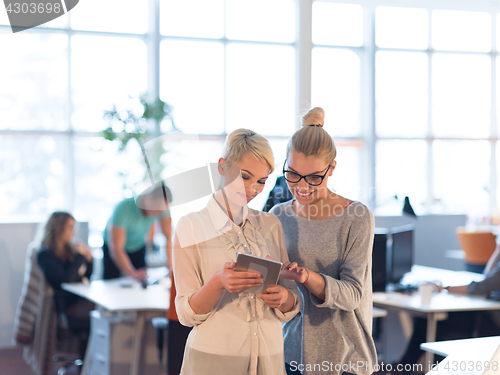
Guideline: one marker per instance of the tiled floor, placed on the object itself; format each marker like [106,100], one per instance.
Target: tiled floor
[12,363]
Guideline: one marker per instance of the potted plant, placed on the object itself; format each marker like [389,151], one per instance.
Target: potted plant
[134,122]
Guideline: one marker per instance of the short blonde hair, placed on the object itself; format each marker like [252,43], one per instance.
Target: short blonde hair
[312,139]
[241,142]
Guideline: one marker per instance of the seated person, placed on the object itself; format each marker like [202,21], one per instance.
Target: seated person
[467,324]
[63,262]
[124,248]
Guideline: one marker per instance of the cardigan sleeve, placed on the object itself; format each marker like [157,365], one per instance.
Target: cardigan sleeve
[490,284]
[288,284]
[355,272]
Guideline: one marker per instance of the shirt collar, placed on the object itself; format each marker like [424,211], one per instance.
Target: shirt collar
[252,218]
[220,220]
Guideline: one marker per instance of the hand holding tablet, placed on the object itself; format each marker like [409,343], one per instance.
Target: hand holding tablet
[269,270]
[237,282]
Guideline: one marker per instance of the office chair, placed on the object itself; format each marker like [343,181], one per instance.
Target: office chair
[37,325]
[278,194]
[161,325]
[478,247]
[407,208]
[69,346]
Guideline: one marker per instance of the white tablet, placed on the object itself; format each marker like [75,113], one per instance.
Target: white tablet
[269,269]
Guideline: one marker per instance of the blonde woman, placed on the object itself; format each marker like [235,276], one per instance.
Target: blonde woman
[329,240]
[235,331]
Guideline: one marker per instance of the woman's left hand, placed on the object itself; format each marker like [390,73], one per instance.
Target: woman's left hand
[274,296]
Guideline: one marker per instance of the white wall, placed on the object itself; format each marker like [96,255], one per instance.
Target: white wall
[14,240]
[434,235]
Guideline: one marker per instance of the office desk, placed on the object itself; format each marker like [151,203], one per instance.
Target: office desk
[476,350]
[441,303]
[122,295]
[446,348]
[378,313]
[420,274]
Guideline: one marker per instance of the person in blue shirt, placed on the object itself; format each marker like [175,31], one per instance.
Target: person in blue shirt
[124,248]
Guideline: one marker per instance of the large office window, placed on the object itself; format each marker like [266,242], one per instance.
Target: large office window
[57,79]
[336,84]
[435,112]
[410,94]
[226,65]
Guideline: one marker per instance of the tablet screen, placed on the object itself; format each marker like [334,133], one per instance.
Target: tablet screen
[269,269]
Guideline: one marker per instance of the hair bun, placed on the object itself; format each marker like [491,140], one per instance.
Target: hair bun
[315,116]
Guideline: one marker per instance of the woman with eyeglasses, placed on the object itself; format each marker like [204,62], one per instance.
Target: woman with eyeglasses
[329,242]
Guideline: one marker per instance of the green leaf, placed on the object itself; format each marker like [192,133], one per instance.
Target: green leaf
[155,109]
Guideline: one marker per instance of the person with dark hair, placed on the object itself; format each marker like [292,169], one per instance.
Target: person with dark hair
[63,261]
[124,248]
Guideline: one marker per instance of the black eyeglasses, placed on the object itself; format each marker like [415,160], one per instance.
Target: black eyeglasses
[311,179]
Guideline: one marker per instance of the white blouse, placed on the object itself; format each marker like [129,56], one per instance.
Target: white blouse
[241,335]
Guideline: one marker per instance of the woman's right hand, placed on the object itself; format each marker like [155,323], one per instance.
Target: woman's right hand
[139,274]
[83,249]
[238,281]
[292,271]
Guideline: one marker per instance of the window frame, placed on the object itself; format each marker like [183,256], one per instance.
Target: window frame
[367,140]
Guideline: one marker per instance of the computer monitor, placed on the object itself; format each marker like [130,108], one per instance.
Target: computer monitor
[401,251]
[379,260]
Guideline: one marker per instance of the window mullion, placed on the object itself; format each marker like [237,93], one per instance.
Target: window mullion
[70,159]
[493,119]
[430,144]
[153,59]
[224,72]
[368,106]
[303,57]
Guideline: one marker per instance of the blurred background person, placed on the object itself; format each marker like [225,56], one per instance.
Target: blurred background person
[124,247]
[462,325]
[63,261]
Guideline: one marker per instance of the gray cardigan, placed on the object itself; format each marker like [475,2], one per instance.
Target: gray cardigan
[36,321]
[332,336]
[490,286]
